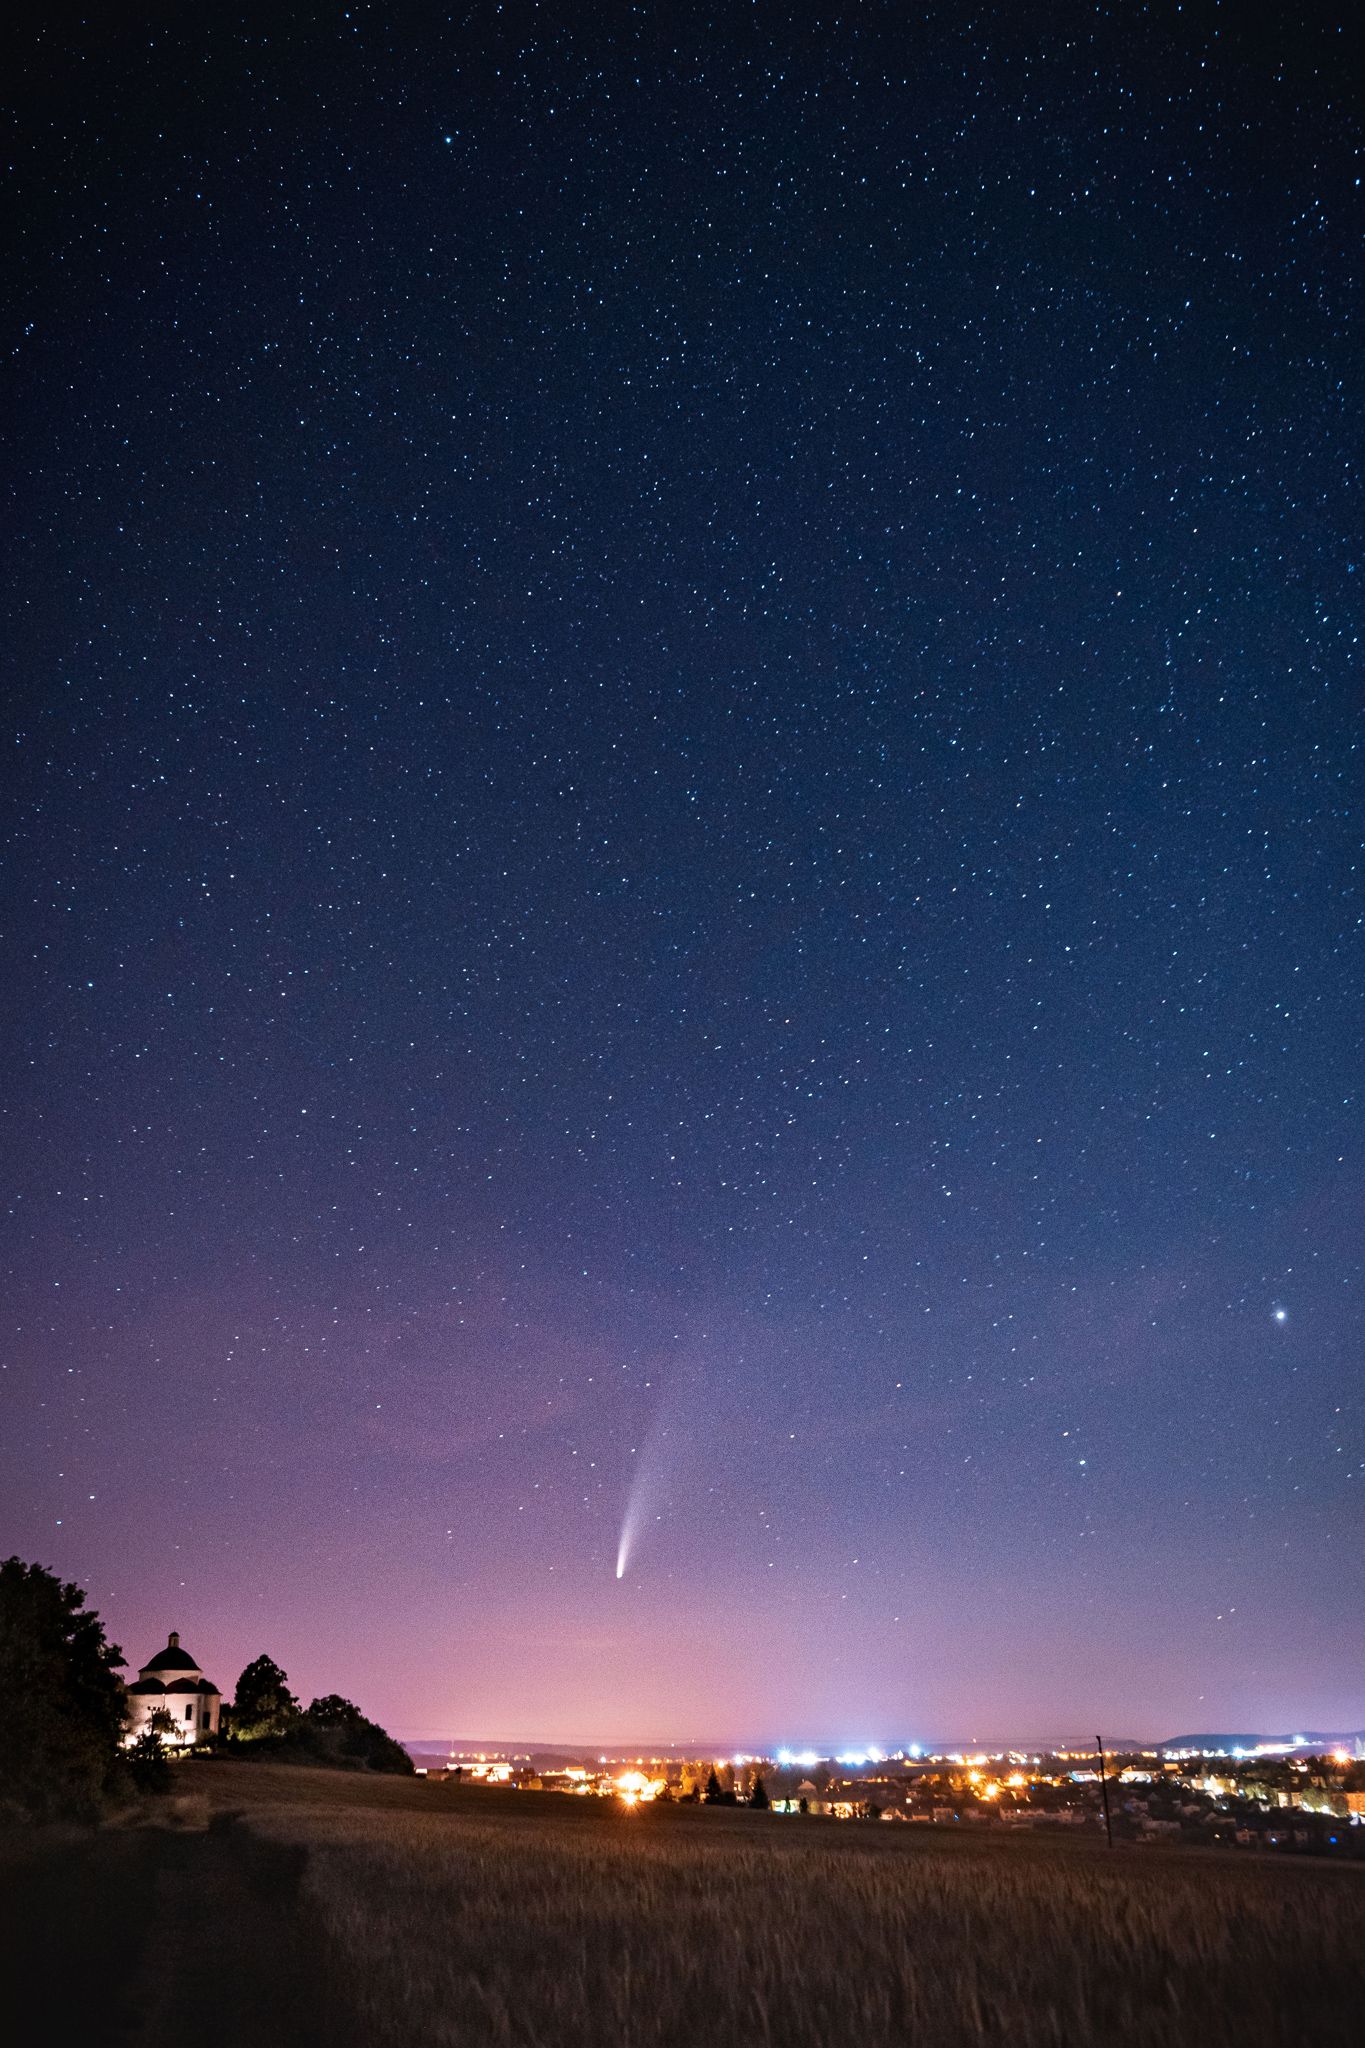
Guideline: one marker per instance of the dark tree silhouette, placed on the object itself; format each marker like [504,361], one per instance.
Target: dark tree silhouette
[263,1704]
[332,1711]
[713,1794]
[759,1794]
[333,1731]
[61,1701]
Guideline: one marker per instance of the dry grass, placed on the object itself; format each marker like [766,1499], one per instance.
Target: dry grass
[459,1918]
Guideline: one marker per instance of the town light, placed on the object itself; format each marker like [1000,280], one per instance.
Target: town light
[634,1787]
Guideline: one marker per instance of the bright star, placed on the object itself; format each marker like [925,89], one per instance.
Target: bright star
[1281,1315]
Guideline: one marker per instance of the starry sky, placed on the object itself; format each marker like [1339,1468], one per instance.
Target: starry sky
[681,870]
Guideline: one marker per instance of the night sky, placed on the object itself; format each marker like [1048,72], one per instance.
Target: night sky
[683,855]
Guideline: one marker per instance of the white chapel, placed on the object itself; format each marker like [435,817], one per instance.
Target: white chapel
[173,1685]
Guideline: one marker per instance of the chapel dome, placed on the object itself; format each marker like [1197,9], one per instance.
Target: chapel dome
[172,1658]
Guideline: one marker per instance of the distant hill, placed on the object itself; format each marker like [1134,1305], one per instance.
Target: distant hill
[549,1756]
[542,1755]
[1313,1738]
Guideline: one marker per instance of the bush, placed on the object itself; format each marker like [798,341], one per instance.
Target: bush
[148,1762]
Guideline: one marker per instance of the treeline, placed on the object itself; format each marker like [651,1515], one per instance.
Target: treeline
[720,1793]
[63,1712]
[266,1720]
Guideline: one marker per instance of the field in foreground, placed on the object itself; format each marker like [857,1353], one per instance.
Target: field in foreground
[407,1915]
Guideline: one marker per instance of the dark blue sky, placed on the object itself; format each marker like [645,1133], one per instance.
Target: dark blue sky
[684,830]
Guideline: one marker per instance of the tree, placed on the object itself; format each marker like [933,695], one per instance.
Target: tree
[713,1795]
[332,1711]
[333,1731]
[61,1701]
[759,1794]
[263,1704]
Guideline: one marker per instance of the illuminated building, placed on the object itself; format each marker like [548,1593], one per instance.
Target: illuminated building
[173,1687]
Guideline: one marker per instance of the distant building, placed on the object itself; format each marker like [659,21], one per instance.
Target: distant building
[173,1685]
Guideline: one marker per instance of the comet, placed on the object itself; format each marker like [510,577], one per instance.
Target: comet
[647,1493]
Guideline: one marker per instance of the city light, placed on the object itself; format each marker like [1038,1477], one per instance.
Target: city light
[634,1788]
[1260,1799]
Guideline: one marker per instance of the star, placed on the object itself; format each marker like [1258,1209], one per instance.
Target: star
[732,781]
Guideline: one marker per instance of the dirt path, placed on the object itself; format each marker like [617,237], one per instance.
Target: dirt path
[133,1937]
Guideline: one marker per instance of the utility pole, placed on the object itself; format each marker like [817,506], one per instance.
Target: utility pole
[1104,1795]
[1289,1779]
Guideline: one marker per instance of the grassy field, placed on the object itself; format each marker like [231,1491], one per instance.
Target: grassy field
[440,1917]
